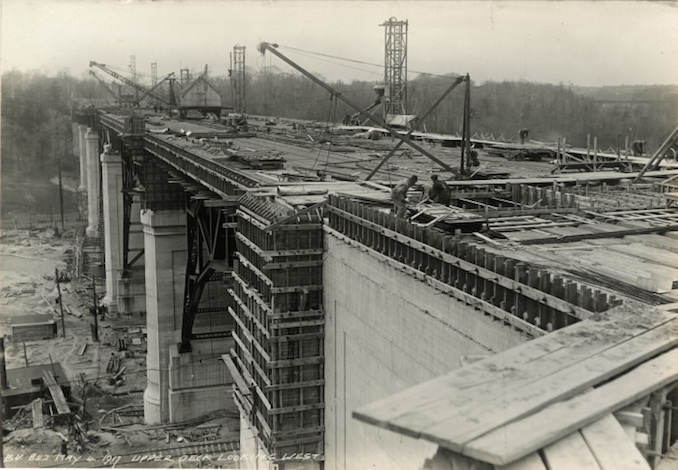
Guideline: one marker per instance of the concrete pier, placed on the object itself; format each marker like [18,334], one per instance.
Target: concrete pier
[82,153]
[93,172]
[166,256]
[111,182]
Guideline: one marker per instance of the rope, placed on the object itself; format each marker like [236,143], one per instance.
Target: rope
[330,115]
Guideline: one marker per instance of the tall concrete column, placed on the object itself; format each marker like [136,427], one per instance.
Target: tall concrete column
[111,186]
[92,146]
[165,253]
[82,153]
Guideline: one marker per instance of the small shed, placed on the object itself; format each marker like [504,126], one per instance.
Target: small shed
[200,95]
[32,328]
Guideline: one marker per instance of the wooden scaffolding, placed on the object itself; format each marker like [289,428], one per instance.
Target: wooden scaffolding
[278,358]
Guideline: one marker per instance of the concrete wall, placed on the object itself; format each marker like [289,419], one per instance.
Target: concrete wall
[386,331]
[199,381]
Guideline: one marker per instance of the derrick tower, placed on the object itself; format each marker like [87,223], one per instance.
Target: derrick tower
[238,77]
[395,70]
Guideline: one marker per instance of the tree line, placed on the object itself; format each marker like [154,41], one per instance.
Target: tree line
[36,109]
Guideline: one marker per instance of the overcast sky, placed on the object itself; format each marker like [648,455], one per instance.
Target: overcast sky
[574,42]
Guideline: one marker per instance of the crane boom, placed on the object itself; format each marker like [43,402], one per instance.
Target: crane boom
[104,85]
[127,81]
[148,92]
[272,48]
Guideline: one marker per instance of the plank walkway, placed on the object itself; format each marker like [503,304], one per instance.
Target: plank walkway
[56,392]
[506,407]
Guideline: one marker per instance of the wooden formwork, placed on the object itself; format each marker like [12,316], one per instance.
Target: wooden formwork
[279,331]
[529,298]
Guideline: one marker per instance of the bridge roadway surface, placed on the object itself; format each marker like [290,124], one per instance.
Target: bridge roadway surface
[355,157]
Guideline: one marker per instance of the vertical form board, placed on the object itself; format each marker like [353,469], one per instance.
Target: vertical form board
[279,327]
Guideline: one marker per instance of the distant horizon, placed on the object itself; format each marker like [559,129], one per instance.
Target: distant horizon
[573,43]
[84,75]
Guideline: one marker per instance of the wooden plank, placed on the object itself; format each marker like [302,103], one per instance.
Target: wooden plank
[570,453]
[56,392]
[36,411]
[530,462]
[611,446]
[459,395]
[591,236]
[235,373]
[572,178]
[561,384]
[517,439]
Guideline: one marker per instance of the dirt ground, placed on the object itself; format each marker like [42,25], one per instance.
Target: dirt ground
[112,411]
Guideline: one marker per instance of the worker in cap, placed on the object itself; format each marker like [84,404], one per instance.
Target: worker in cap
[439,192]
[399,195]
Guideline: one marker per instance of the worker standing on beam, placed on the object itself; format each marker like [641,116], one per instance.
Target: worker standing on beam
[439,192]
[399,195]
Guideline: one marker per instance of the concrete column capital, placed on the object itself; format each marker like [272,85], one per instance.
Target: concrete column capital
[111,159]
[91,135]
[162,219]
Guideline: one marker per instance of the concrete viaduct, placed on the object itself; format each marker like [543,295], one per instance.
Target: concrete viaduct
[299,305]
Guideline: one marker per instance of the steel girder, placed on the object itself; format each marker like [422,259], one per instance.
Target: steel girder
[207,255]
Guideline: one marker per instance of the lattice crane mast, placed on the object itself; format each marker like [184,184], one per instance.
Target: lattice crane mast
[131,83]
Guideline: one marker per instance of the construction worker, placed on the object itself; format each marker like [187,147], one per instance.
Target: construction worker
[399,195]
[523,135]
[439,192]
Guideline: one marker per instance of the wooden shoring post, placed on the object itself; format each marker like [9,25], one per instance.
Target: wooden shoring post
[545,285]
[497,290]
[460,274]
[595,153]
[521,304]
[534,307]
[572,294]
[588,147]
[422,261]
[558,290]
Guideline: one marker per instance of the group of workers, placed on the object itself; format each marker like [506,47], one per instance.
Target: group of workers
[438,192]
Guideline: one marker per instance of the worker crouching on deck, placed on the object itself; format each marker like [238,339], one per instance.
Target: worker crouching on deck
[439,192]
[399,195]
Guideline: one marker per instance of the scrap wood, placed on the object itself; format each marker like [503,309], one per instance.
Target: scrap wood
[120,372]
[101,420]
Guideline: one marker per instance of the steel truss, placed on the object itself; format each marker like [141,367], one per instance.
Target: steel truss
[207,261]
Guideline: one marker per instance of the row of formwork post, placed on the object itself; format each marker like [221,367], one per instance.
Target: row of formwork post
[280,326]
[537,197]
[546,300]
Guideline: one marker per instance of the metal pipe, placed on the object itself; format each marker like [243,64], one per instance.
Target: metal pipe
[264,46]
